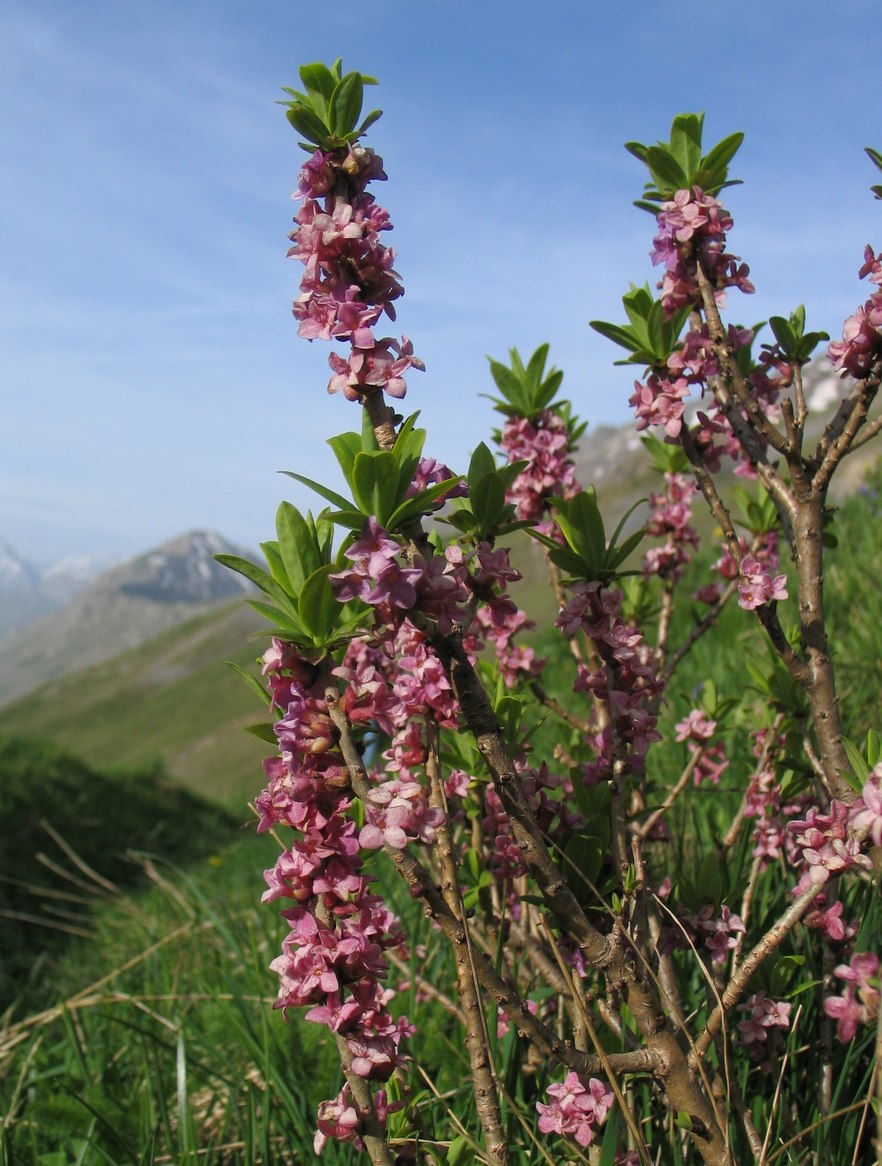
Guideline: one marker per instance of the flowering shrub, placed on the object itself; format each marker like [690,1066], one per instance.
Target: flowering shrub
[643,981]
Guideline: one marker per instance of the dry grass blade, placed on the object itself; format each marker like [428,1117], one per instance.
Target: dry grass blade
[78,862]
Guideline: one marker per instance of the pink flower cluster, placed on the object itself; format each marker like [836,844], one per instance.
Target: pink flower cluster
[758,586]
[624,683]
[861,345]
[442,588]
[859,1003]
[544,444]
[498,619]
[338,1118]
[697,729]
[349,281]
[692,230]
[333,957]
[553,816]
[575,1111]
[764,1015]
[759,581]
[719,933]
[828,844]
[669,519]
[661,402]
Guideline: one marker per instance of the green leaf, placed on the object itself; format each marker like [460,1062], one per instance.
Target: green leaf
[487,498]
[407,451]
[309,124]
[257,575]
[858,763]
[344,108]
[297,546]
[874,748]
[251,682]
[375,484]
[686,143]
[482,463]
[276,566]
[665,170]
[351,519]
[318,78]
[535,367]
[715,164]
[328,495]
[345,447]
[462,519]
[264,731]
[420,504]
[619,334]
[509,385]
[372,117]
[287,622]
[627,548]
[460,1152]
[318,607]
[582,525]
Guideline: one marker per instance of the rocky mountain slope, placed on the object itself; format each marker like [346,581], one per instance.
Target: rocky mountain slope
[121,609]
[28,590]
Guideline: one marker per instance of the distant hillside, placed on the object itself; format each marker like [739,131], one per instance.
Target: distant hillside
[172,701]
[120,609]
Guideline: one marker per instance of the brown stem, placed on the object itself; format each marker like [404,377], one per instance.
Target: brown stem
[558,709]
[382,419]
[871,430]
[799,393]
[840,434]
[733,381]
[736,986]
[645,828]
[819,683]
[481,721]
[477,1043]
[664,626]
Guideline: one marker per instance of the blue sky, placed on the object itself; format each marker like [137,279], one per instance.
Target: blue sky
[152,378]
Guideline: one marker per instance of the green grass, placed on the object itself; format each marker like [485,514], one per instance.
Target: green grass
[159,1042]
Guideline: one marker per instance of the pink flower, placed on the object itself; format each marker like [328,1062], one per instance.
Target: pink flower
[337,1119]
[763,1014]
[697,726]
[574,1110]
[397,812]
[757,586]
[859,1003]
[861,344]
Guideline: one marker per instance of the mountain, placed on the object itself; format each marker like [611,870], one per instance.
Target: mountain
[120,609]
[21,596]
[28,591]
